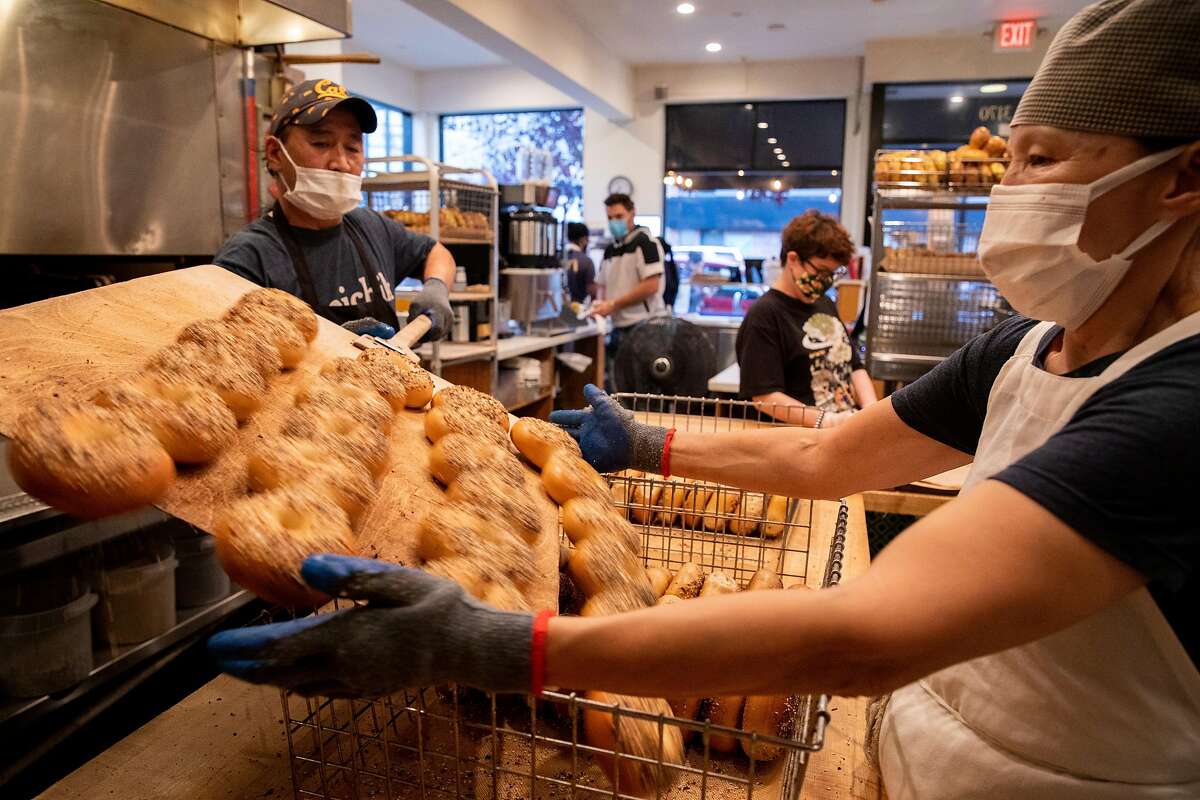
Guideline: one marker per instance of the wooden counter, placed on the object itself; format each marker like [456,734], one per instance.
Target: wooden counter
[227,739]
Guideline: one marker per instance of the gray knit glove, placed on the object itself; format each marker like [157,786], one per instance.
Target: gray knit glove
[434,302]
[415,630]
[609,436]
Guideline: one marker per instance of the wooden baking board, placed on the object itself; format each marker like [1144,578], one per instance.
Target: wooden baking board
[72,345]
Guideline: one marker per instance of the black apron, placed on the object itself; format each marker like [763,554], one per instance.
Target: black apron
[377,307]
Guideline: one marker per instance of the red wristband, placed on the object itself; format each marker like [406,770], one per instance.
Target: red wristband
[537,651]
[665,464]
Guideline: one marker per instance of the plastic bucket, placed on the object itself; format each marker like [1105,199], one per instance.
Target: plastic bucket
[199,579]
[46,652]
[137,602]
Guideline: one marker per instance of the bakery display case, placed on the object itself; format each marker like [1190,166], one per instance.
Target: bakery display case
[448,741]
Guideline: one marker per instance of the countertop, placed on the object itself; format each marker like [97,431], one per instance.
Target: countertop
[509,347]
[727,381]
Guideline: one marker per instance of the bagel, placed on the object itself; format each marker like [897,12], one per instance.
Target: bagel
[618,599]
[457,419]
[487,495]
[191,421]
[268,327]
[537,440]
[290,308]
[230,374]
[455,453]
[454,531]
[88,461]
[600,562]
[633,736]
[687,581]
[566,477]
[342,435]
[381,377]
[356,401]
[263,539]
[275,462]
[583,517]
[219,334]
[418,383]
[468,397]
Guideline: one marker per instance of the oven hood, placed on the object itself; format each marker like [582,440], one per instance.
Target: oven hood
[247,23]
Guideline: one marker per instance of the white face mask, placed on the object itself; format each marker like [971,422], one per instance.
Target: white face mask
[1029,245]
[322,193]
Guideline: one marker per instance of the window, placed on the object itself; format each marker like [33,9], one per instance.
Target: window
[516,146]
[393,137]
[739,172]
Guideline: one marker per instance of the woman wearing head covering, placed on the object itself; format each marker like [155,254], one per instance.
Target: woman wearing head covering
[1038,633]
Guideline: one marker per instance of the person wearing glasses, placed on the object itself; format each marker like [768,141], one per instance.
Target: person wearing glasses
[797,363]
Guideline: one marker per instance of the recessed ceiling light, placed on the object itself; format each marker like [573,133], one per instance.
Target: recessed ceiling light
[777,150]
[668,180]
[741,173]
[749,106]
[956,99]
[740,195]
[833,198]
[833,172]
[777,184]
[762,125]
[781,156]
[772,140]
[993,88]
[785,164]
[713,47]
[685,8]
[687,183]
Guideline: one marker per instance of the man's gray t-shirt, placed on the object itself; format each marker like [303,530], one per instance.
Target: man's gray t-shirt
[339,277]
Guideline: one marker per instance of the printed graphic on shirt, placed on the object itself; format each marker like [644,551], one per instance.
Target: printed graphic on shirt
[829,351]
[364,296]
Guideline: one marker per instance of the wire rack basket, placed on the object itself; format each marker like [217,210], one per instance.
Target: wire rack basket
[456,742]
[448,203]
[931,248]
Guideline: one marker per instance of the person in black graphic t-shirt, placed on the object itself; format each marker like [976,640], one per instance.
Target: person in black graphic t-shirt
[316,242]
[796,360]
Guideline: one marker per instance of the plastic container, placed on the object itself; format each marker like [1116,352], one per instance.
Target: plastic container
[46,652]
[199,579]
[137,601]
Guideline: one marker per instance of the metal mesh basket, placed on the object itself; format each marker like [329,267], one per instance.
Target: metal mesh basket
[918,320]
[931,248]
[449,203]
[442,742]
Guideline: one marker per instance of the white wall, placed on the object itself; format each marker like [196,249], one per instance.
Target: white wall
[949,58]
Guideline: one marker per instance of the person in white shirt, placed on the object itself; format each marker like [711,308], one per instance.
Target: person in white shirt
[630,282]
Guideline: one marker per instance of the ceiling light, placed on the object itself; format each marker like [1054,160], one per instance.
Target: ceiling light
[685,8]
[668,180]
[762,125]
[741,173]
[785,164]
[687,184]
[781,156]
[749,106]
[772,140]
[833,172]
[833,198]
[993,88]
[777,150]
[713,47]
[679,180]
[740,195]
[956,99]
[777,184]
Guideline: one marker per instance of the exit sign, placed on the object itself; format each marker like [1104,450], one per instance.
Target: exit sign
[1016,34]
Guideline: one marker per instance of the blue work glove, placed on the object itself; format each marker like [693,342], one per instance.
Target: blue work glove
[610,438]
[434,302]
[369,326]
[415,630]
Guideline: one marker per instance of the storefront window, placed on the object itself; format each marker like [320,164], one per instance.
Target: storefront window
[517,146]
[393,137]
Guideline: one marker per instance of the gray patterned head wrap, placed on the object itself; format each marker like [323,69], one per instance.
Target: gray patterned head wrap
[1126,67]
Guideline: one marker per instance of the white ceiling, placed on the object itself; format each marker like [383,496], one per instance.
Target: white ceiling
[649,31]
[395,30]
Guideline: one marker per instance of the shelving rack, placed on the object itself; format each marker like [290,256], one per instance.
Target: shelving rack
[916,318]
[427,186]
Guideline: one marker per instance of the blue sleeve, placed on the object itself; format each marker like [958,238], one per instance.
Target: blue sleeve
[408,249]
[241,255]
[1122,472]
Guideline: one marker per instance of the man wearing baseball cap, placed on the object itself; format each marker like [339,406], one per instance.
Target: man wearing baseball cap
[1038,633]
[316,242]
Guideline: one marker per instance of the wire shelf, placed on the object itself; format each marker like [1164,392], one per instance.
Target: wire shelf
[465,205]
[456,742]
